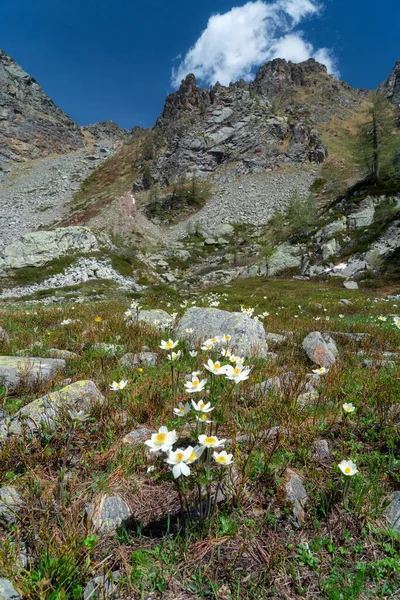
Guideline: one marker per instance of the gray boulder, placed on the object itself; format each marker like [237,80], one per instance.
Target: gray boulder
[350,285]
[364,216]
[7,590]
[317,349]
[137,436]
[247,335]
[285,257]
[14,368]
[108,513]
[38,248]
[101,587]
[80,395]
[10,504]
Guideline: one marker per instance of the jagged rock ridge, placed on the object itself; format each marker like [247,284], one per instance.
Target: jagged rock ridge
[31,125]
[392,85]
[241,126]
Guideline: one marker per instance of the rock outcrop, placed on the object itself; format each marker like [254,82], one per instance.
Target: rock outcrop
[107,130]
[31,125]
[392,85]
[40,247]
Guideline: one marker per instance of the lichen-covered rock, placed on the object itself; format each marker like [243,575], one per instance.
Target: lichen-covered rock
[7,590]
[4,337]
[317,350]
[138,436]
[108,513]
[10,504]
[14,368]
[247,335]
[39,247]
[285,257]
[80,395]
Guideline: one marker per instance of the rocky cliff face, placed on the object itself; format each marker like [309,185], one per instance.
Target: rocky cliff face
[107,130]
[31,125]
[392,85]
[247,128]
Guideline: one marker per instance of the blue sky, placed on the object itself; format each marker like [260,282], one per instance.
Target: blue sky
[118,59]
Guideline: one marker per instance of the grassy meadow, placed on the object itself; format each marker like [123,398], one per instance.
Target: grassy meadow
[248,545]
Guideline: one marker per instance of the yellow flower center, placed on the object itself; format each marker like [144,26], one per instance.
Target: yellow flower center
[347,470]
[210,440]
[237,371]
[221,459]
[217,365]
[195,382]
[193,456]
[160,438]
[203,416]
[182,409]
[213,340]
[201,404]
[179,456]
[98,319]
[169,345]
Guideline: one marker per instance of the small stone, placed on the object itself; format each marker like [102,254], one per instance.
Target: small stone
[345,302]
[296,493]
[101,587]
[4,337]
[65,354]
[393,511]
[275,338]
[7,590]
[317,349]
[131,361]
[379,364]
[350,285]
[321,450]
[108,513]
[10,504]
[138,436]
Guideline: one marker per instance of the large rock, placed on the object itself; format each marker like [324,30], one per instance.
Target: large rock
[156,317]
[318,350]
[285,257]
[40,247]
[14,368]
[392,85]
[247,335]
[101,587]
[80,395]
[364,216]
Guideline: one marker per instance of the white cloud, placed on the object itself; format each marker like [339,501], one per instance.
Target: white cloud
[236,42]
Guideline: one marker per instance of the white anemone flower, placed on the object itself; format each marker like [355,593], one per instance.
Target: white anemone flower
[238,373]
[320,371]
[348,467]
[196,453]
[195,385]
[203,418]
[239,360]
[349,407]
[169,345]
[189,330]
[201,406]
[207,346]
[382,318]
[115,386]
[210,441]
[226,338]
[193,353]
[66,322]
[222,458]
[178,459]
[226,353]
[215,367]
[163,440]
[182,410]
[174,355]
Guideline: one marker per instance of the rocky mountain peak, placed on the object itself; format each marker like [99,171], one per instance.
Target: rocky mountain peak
[107,130]
[279,75]
[392,84]
[189,99]
[31,125]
